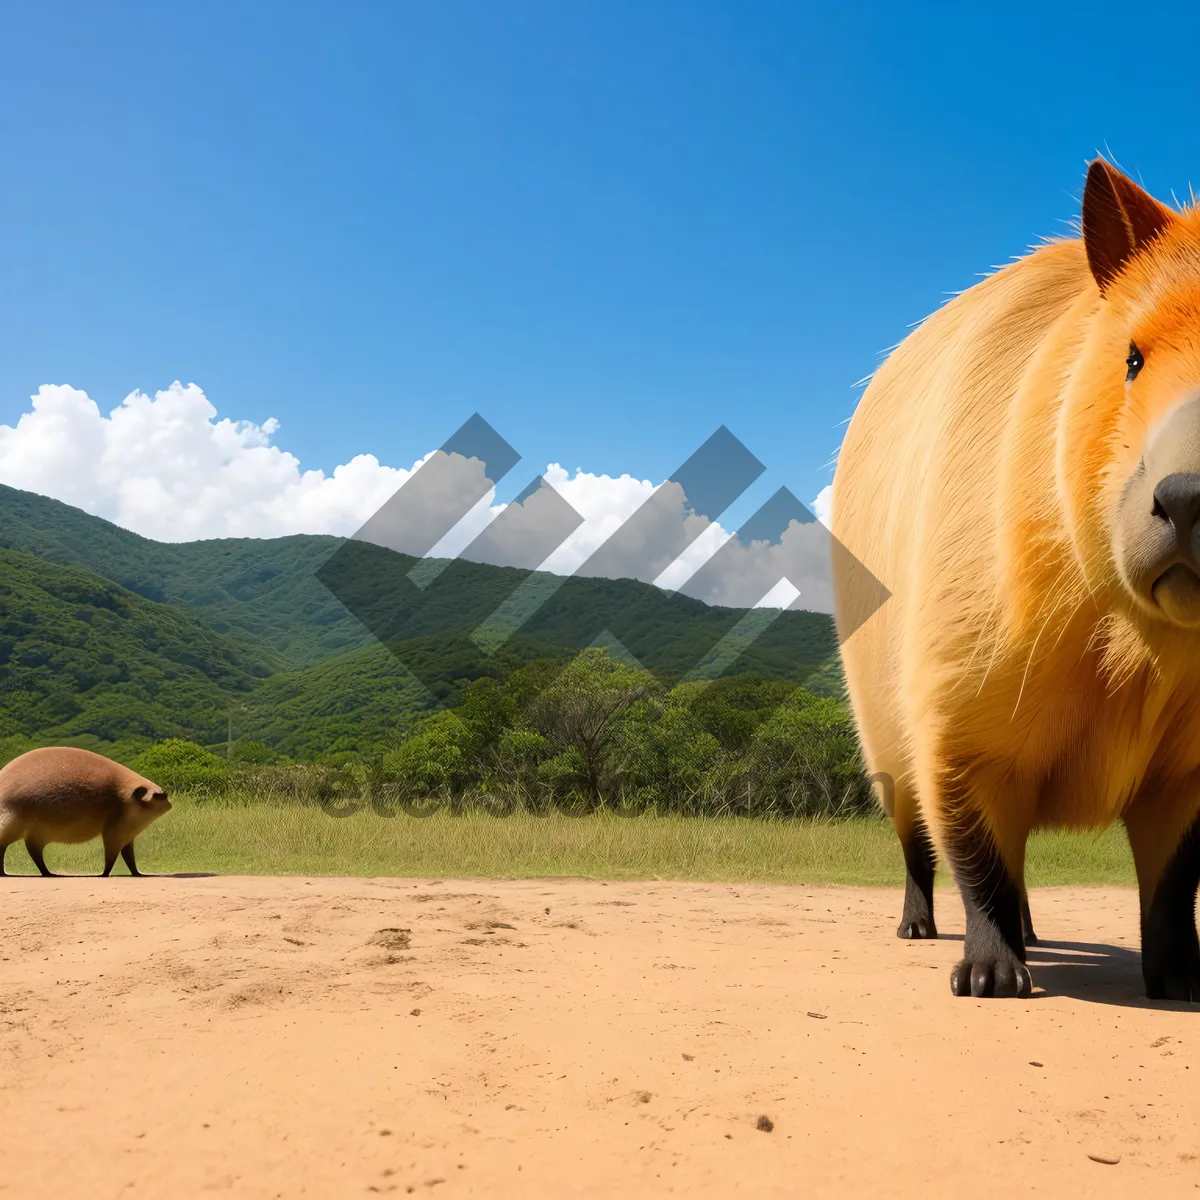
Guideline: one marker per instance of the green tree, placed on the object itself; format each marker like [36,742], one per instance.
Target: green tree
[581,712]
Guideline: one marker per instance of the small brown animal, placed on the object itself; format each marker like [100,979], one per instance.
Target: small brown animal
[61,794]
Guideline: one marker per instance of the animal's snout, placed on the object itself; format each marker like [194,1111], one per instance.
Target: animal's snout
[1177,500]
[1174,562]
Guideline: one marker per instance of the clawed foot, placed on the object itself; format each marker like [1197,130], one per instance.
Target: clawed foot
[916,923]
[916,928]
[1002,975]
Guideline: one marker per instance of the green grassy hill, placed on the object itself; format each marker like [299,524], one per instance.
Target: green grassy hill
[109,636]
[669,633]
[272,589]
[266,587]
[82,659]
[358,700]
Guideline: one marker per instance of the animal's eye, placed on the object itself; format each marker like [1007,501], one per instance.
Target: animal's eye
[1134,362]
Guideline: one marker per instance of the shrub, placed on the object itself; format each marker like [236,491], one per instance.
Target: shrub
[255,753]
[435,761]
[181,766]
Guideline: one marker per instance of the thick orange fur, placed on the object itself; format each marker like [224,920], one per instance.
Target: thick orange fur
[1013,679]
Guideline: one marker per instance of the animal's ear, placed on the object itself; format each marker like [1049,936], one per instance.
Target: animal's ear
[1119,219]
[139,793]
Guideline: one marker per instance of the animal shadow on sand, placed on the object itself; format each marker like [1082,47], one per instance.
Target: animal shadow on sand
[1092,971]
[116,875]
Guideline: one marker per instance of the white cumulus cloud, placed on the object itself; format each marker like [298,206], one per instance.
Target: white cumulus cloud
[168,467]
[822,506]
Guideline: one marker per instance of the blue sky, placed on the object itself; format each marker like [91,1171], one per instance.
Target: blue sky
[607,226]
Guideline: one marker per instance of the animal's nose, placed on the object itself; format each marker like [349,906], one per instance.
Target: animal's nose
[1177,499]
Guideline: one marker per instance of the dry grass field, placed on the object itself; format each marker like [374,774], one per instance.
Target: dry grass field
[251,838]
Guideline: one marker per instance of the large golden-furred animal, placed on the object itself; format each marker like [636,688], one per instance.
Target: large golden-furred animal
[1023,475]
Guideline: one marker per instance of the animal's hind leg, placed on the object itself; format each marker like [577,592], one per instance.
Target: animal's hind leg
[9,833]
[35,852]
[1166,852]
[920,861]
[112,848]
[988,859]
[130,860]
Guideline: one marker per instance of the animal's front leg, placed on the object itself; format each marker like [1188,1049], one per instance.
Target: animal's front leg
[973,829]
[39,860]
[993,961]
[1168,868]
[920,861]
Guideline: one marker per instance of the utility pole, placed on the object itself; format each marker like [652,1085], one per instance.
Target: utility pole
[229,729]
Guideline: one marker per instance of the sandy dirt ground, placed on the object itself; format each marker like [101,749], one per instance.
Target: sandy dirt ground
[267,1037]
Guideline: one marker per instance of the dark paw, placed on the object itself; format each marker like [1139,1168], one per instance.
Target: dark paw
[916,929]
[1000,977]
[1031,938]
[1181,981]
[1171,956]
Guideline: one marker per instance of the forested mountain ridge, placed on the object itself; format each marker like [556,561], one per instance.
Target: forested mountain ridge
[107,637]
[264,586]
[82,657]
